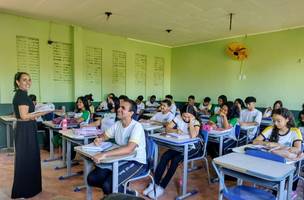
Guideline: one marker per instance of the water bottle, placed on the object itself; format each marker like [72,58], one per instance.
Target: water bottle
[64,124]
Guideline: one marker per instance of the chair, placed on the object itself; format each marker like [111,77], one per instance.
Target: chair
[150,150]
[204,139]
[242,192]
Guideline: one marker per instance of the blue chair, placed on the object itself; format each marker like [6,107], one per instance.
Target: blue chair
[242,192]
[150,150]
[204,140]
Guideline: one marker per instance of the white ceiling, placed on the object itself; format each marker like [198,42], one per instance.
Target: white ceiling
[192,21]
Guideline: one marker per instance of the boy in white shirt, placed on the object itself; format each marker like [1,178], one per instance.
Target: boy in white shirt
[130,136]
[140,105]
[250,116]
[165,116]
[173,106]
[152,104]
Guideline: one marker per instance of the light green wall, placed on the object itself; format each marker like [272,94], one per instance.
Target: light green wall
[80,38]
[274,69]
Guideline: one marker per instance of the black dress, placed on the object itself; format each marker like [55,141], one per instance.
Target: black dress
[27,176]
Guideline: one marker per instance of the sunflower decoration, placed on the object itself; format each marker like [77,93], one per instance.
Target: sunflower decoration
[237,51]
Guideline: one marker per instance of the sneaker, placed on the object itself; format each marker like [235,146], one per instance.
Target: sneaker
[158,191]
[148,189]
[132,192]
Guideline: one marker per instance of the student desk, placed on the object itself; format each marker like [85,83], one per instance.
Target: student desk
[247,129]
[101,113]
[257,170]
[151,127]
[54,127]
[149,115]
[88,164]
[9,121]
[173,143]
[220,135]
[68,137]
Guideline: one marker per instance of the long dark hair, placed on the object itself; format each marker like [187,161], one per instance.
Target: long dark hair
[17,78]
[300,118]
[85,103]
[229,105]
[189,109]
[284,112]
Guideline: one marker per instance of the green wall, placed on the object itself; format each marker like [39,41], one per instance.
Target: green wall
[59,91]
[274,69]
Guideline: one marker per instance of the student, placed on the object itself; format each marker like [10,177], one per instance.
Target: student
[123,98]
[300,121]
[152,104]
[109,118]
[82,111]
[140,105]
[90,99]
[164,116]
[282,133]
[250,116]
[106,105]
[185,123]
[268,112]
[222,99]
[224,120]
[173,106]
[205,106]
[129,135]
[238,106]
[191,102]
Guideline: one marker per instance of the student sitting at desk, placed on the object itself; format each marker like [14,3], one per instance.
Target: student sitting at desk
[164,116]
[140,105]
[205,106]
[238,106]
[173,106]
[282,133]
[268,112]
[300,120]
[222,99]
[130,136]
[90,99]
[186,123]
[82,111]
[223,120]
[250,116]
[106,105]
[109,118]
[191,102]
[152,104]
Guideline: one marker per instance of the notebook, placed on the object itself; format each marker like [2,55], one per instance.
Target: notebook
[102,147]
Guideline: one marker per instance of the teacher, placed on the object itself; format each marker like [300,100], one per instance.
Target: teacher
[27,174]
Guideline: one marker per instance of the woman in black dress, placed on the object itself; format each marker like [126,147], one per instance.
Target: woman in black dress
[27,176]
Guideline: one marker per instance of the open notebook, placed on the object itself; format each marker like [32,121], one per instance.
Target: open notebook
[102,147]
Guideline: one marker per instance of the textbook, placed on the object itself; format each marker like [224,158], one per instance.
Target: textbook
[179,136]
[92,147]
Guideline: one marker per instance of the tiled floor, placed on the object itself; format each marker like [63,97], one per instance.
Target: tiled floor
[54,189]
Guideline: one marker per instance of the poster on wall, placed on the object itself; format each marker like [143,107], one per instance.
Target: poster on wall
[140,74]
[158,76]
[62,60]
[119,62]
[93,71]
[28,60]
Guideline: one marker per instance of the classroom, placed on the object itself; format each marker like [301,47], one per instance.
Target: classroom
[139,99]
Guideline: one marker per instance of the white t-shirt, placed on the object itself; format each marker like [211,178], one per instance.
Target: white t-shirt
[140,107]
[251,116]
[173,109]
[132,133]
[103,105]
[163,118]
[182,125]
[154,104]
[294,134]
